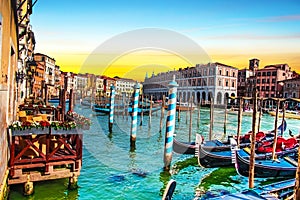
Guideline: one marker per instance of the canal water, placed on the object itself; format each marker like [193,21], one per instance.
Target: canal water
[111,170]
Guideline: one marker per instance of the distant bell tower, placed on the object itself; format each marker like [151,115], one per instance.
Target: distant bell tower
[253,64]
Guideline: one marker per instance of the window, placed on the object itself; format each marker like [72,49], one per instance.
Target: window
[258,74]
[267,88]
[227,73]
[274,73]
[233,74]
[258,80]
[220,72]
[226,84]
[273,88]
[220,83]
[273,80]
[262,88]
[268,73]
[263,80]
[264,73]
[232,84]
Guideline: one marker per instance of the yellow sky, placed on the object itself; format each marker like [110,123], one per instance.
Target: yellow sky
[135,65]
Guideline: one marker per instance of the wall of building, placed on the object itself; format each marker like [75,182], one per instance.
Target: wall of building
[8,65]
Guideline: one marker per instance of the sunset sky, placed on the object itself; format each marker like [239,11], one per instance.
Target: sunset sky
[100,36]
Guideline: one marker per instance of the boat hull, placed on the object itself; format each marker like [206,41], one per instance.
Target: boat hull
[265,167]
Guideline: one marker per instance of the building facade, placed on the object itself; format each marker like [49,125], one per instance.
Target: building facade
[124,86]
[8,81]
[268,81]
[291,88]
[202,82]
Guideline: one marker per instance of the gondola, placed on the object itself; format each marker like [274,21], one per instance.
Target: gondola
[101,109]
[184,148]
[217,153]
[285,165]
[278,190]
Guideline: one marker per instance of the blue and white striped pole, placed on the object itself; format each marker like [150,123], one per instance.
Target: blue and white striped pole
[111,108]
[170,124]
[134,115]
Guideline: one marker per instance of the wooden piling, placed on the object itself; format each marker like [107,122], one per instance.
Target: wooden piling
[28,187]
[260,115]
[170,127]
[198,116]
[134,115]
[180,99]
[275,131]
[283,117]
[190,126]
[150,112]
[225,116]
[240,119]
[162,113]
[297,181]
[211,118]
[253,139]
[71,105]
[142,111]
[111,108]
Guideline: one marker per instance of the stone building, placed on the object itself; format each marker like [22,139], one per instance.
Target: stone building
[8,80]
[291,88]
[202,82]
[124,86]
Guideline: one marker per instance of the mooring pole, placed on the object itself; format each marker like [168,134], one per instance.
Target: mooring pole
[225,117]
[180,100]
[253,139]
[297,181]
[240,119]
[150,113]
[198,117]
[111,108]
[142,111]
[191,124]
[275,131]
[283,118]
[134,115]
[162,113]
[211,118]
[170,124]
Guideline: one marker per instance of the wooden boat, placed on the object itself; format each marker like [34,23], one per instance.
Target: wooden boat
[56,100]
[146,111]
[284,166]
[218,156]
[289,115]
[184,147]
[235,112]
[101,108]
[277,190]
[216,153]
[183,107]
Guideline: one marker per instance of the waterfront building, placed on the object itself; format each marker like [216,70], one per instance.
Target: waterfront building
[49,72]
[57,81]
[244,74]
[202,81]
[124,86]
[268,80]
[103,84]
[82,84]
[291,88]
[26,66]
[9,81]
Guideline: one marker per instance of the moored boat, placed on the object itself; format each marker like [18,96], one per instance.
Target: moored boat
[285,165]
[289,115]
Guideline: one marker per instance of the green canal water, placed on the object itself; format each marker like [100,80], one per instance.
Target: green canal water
[111,170]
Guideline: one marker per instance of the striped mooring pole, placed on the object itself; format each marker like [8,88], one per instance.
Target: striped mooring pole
[170,127]
[134,115]
[111,108]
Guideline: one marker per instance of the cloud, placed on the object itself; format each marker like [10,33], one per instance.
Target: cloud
[253,37]
[280,18]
